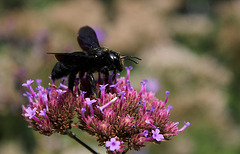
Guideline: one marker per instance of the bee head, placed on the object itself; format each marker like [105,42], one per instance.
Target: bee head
[114,61]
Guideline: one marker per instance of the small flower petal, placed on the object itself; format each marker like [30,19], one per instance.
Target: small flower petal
[113,144]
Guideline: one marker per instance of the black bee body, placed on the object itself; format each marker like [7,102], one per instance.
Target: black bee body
[93,59]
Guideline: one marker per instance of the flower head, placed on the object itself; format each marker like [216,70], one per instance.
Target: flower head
[120,116]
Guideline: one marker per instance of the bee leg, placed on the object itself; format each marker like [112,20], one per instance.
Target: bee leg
[106,73]
[92,83]
[114,76]
[71,79]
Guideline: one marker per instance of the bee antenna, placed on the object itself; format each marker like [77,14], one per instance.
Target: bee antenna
[129,57]
[123,57]
[134,57]
[131,60]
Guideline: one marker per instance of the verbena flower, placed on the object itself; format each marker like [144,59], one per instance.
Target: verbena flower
[119,116]
[113,144]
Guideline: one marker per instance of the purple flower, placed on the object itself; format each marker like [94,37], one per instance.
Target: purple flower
[89,102]
[62,86]
[156,135]
[102,89]
[113,144]
[145,133]
[60,91]
[167,94]
[83,110]
[108,114]
[28,83]
[39,81]
[128,71]
[30,113]
[148,122]
[43,112]
[186,124]
[143,87]
[169,108]
[106,105]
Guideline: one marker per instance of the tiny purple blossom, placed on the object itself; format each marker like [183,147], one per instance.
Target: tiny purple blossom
[116,87]
[29,96]
[30,112]
[144,82]
[145,133]
[63,80]
[167,94]
[117,75]
[153,108]
[39,88]
[156,135]
[62,86]
[102,88]
[123,93]
[169,108]
[128,68]
[60,91]
[128,71]
[48,90]
[113,144]
[82,93]
[39,81]
[129,86]
[148,122]
[28,83]
[89,102]
[43,112]
[106,105]
[186,124]
[83,110]
[143,87]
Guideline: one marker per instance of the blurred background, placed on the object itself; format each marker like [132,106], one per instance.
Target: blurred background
[189,47]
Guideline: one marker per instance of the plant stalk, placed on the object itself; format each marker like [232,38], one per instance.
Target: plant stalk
[72,135]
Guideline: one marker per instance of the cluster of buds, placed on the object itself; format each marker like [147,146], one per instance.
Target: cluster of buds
[119,116]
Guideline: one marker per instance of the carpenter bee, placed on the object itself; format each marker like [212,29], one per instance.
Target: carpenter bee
[92,59]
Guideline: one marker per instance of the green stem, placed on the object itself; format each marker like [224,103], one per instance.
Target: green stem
[72,135]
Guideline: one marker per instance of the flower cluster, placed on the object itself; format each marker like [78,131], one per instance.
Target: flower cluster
[119,116]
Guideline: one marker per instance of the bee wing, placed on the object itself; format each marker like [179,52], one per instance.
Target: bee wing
[74,58]
[87,38]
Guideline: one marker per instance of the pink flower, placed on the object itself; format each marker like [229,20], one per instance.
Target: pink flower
[156,135]
[30,113]
[113,144]
[120,116]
